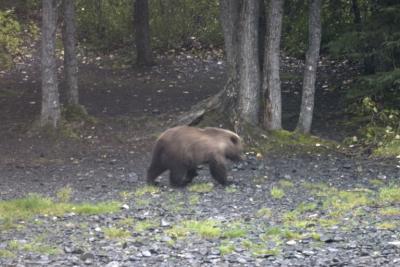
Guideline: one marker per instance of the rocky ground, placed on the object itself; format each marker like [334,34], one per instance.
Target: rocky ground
[314,206]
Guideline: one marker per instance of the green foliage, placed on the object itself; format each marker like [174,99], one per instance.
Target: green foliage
[264,212]
[145,225]
[10,39]
[277,193]
[381,130]
[108,24]
[176,23]
[38,247]
[234,230]
[104,25]
[201,187]
[64,194]
[390,194]
[34,204]
[205,229]
[226,249]
[116,233]
[147,189]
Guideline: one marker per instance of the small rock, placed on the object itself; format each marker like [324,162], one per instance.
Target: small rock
[132,177]
[165,223]
[291,242]
[146,253]
[113,264]
[241,260]
[125,207]
[87,258]
[394,243]
[308,252]
[327,239]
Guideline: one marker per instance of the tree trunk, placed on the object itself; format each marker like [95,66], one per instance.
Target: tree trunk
[70,61]
[356,13]
[249,72]
[239,99]
[142,33]
[50,113]
[272,119]
[312,56]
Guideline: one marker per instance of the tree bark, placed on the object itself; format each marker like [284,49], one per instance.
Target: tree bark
[356,13]
[50,112]
[272,119]
[70,60]
[311,63]
[249,72]
[239,99]
[142,33]
[262,31]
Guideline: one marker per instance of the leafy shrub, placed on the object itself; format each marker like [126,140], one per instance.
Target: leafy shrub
[10,39]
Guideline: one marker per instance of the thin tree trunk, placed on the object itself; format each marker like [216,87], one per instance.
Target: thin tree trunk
[310,72]
[249,78]
[142,33]
[50,112]
[356,13]
[272,119]
[70,60]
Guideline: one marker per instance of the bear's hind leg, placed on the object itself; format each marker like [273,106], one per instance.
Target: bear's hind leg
[190,174]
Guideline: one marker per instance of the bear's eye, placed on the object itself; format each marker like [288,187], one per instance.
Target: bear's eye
[234,140]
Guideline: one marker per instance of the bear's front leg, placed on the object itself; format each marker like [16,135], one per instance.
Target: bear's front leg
[153,172]
[218,171]
[176,176]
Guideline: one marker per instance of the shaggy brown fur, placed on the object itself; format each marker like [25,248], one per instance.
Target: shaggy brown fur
[181,149]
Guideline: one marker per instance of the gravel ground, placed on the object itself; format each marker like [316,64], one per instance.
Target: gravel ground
[316,208]
[254,227]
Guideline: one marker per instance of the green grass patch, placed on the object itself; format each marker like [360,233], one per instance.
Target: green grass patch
[64,194]
[126,222]
[290,216]
[194,200]
[145,225]
[277,193]
[306,207]
[234,230]
[231,189]
[264,213]
[205,229]
[390,194]
[390,211]
[147,189]
[286,183]
[344,201]
[34,204]
[116,233]
[15,245]
[281,232]
[388,225]
[260,250]
[319,189]
[225,249]
[376,182]
[391,149]
[201,187]
[4,253]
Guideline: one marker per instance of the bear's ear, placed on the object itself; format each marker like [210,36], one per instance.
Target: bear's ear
[234,140]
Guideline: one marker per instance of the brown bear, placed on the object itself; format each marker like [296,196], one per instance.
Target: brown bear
[181,149]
